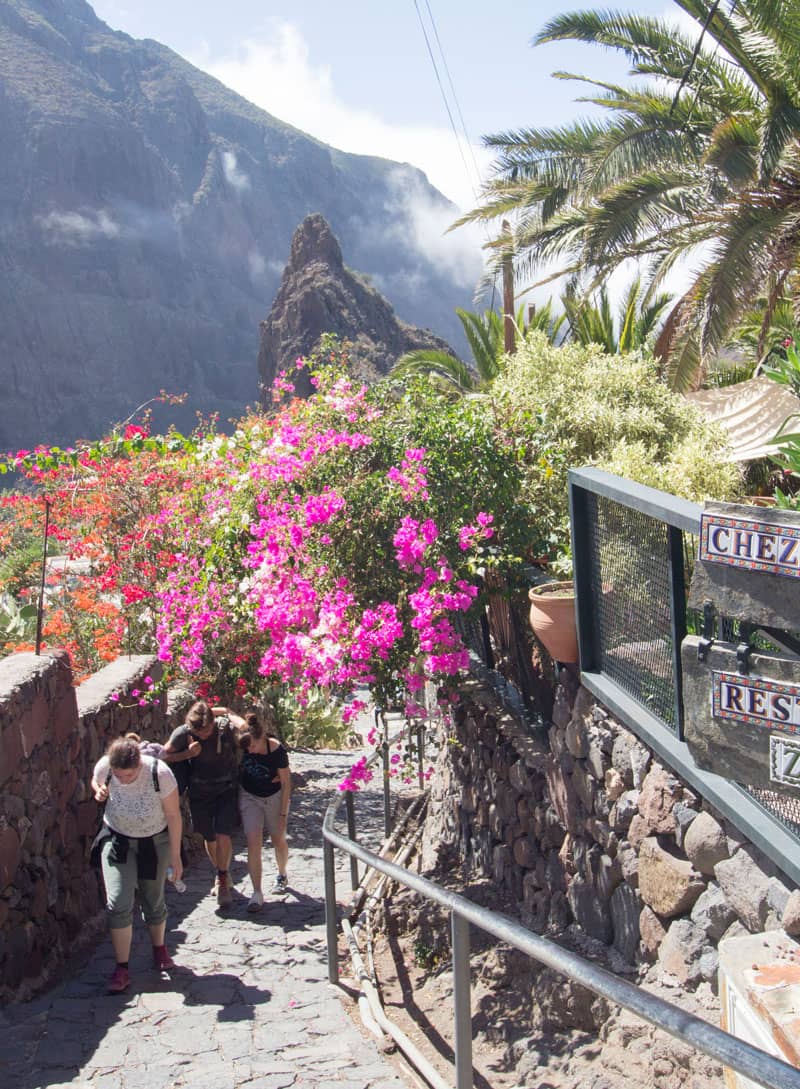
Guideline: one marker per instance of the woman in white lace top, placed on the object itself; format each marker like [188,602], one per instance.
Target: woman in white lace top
[139,839]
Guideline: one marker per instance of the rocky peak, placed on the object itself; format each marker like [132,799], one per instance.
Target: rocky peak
[317,295]
[314,242]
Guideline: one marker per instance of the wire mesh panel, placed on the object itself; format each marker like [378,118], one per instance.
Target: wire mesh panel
[630,563]
[782,807]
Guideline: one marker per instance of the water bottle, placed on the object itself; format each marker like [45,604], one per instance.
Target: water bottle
[178,885]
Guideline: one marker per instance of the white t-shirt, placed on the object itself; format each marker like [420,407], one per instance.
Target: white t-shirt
[135,809]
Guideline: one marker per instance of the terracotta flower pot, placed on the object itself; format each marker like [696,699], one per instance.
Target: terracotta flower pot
[552,618]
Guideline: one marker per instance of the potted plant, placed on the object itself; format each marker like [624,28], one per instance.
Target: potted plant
[552,618]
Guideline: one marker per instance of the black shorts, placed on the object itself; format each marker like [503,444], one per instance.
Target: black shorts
[218,814]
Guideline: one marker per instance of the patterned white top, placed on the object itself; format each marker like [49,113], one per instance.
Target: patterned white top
[135,809]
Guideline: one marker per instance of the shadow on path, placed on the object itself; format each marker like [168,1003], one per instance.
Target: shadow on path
[249,1002]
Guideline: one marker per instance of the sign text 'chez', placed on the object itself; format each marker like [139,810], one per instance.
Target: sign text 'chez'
[754,546]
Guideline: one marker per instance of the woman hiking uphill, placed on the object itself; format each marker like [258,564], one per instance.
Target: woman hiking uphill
[265,784]
[209,738]
[140,837]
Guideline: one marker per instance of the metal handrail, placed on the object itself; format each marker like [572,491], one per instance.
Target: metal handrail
[744,1058]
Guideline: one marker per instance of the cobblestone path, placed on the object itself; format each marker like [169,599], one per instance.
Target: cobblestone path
[249,1005]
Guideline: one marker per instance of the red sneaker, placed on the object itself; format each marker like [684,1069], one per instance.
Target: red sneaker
[120,980]
[162,960]
[224,896]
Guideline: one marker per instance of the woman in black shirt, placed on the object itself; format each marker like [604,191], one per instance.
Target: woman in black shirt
[264,788]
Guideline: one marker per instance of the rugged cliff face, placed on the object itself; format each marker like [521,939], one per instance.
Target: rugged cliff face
[145,214]
[317,295]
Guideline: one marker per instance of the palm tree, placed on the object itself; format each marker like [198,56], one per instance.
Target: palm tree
[700,161]
[592,320]
[585,320]
[484,333]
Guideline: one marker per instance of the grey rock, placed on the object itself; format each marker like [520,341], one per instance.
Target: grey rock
[709,965]
[576,739]
[735,930]
[625,912]
[146,258]
[585,786]
[684,815]
[591,914]
[705,843]
[790,920]
[319,295]
[712,913]
[746,887]
[624,810]
[681,951]
[629,864]
[777,895]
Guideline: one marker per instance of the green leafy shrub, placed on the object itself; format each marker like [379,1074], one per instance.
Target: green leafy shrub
[315,724]
[574,406]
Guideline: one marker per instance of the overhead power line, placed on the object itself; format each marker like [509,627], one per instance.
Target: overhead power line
[474,181]
[467,141]
[712,11]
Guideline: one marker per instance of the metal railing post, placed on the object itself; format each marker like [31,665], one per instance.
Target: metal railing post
[387,801]
[581,539]
[351,832]
[677,593]
[331,912]
[420,755]
[462,1003]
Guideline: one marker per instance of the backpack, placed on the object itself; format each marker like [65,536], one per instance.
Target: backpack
[182,770]
[151,748]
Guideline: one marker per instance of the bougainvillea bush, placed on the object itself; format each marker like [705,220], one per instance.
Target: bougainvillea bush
[345,536]
[330,545]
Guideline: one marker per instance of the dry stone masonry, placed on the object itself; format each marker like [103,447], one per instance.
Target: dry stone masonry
[51,735]
[580,824]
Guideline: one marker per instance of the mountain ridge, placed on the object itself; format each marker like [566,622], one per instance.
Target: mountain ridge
[145,214]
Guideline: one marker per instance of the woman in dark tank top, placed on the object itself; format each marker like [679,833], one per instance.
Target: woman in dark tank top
[264,788]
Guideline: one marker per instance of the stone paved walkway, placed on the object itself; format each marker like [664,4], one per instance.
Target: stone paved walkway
[250,1004]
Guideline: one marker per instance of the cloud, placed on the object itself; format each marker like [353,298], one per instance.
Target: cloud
[421,220]
[123,222]
[233,175]
[79,228]
[279,76]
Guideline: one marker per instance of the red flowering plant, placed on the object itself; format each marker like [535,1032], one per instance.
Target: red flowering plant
[106,546]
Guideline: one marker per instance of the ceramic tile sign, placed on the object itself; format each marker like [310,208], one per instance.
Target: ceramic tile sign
[743,726]
[748,564]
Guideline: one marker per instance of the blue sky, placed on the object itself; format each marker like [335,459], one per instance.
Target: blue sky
[357,74]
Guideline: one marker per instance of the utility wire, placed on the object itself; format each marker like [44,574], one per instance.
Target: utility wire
[695,53]
[700,82]
[474,182]
[442,90]
[477,175]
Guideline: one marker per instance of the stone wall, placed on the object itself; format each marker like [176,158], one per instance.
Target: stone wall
[581,824]
[51,735]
